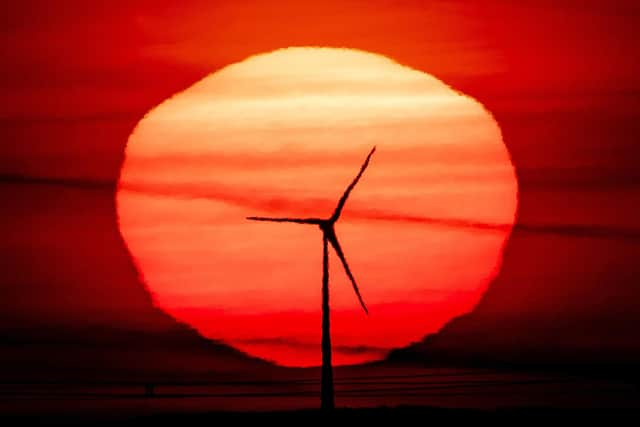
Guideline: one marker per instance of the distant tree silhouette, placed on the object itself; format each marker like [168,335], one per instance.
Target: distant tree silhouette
[149,390]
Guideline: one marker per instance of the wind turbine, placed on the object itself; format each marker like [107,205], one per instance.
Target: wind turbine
[329,236]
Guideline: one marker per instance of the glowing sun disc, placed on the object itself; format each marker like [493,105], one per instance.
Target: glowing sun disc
[282,134]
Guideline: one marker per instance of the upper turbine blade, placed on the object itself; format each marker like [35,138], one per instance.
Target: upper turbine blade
[333,239]
[296,220]
[343,199]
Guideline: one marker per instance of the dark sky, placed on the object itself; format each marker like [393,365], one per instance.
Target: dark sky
[560,78]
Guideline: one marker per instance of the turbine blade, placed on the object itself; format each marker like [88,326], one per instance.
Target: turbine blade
[343,199]
[296,220]
[333,239]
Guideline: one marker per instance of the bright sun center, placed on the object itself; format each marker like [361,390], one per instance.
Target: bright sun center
[282,134]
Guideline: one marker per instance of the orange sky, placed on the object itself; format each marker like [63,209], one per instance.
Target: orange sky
[282,134]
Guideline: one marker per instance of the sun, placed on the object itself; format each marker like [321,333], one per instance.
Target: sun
[280,134]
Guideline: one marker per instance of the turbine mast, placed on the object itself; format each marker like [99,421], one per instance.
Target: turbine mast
[326,396]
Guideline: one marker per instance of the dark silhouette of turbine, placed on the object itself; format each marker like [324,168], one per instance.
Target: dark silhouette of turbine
[329,236]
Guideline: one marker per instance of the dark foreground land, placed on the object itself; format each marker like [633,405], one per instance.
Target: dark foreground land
[372,416]
[374,393]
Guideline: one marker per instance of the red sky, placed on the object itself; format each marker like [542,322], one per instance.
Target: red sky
[98,67]
[560,78]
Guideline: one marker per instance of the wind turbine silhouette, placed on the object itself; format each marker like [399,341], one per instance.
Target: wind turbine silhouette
[328,236]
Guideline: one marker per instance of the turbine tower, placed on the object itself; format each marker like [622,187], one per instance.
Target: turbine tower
[328,236]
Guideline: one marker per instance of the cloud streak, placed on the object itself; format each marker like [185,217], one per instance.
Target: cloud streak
[96,184]
[277,204]
[297,344]
[226,195]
